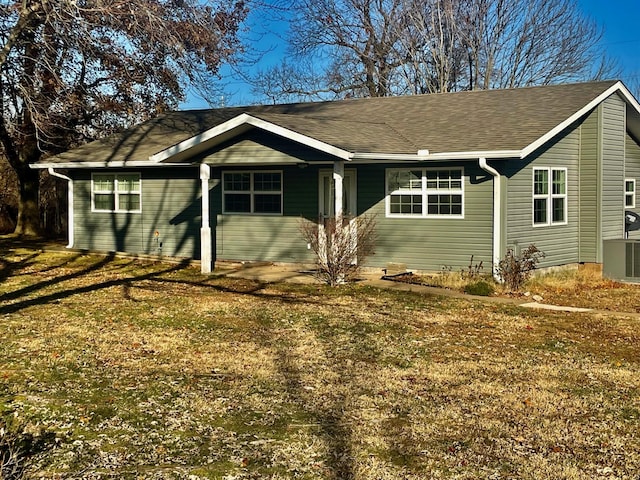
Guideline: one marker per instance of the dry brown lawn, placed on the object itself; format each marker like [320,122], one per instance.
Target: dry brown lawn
[117,368]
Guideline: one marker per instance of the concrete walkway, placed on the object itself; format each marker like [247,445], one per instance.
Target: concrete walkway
[288,273]
[270,273]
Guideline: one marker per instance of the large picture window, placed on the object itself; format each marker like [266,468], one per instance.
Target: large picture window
[120,192]
[425,193]
[630,193]
[252,192]
[549,196]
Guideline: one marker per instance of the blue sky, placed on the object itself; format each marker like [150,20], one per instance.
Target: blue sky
[620,19]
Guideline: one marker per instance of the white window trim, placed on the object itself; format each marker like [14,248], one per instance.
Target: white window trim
[115,192]
[631,194]
[549,196]
[423,192]
[251,192]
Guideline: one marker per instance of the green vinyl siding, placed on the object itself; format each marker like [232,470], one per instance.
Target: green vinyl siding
[429,244]
[170,206]
[559,242]
[276,238]
[612,183]
[589,213]
[632,170]
[261,147]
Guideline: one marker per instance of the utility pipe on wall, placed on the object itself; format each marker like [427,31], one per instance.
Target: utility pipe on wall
[53,173]
[497,213]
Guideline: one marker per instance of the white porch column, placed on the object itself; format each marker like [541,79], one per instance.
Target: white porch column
[338,178]
[205,230]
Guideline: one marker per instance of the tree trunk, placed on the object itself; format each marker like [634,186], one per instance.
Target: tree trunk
[28,209]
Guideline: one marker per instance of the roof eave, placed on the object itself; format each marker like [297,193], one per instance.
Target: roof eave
[364,157]
[110,164]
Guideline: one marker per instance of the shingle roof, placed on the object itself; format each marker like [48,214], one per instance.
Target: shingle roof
[489,120]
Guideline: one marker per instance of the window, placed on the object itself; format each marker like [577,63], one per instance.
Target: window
[629,193]
[549,196]
[252,192]
[425,193]
[116,192]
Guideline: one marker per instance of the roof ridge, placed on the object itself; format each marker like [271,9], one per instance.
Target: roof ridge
[488,91]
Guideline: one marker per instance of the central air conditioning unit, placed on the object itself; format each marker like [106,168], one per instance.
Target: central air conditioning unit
[621,260]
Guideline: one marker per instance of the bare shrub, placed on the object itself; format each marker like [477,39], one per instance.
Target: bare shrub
[514,269]
[340,245]
[18,446]
[473,271]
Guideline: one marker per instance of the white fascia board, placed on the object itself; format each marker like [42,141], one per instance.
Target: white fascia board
[246,119]
[616,87]
[453,156]
[121,164]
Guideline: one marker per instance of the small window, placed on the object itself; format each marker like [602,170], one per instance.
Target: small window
[425,193]
[549,196]
[252,192]
[116,192]
[630,193]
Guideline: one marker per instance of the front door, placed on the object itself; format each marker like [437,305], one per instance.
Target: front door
[327,213]
[327,197]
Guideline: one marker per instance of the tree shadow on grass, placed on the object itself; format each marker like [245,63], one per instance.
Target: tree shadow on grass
[241,287]
[61,294]
[333,411]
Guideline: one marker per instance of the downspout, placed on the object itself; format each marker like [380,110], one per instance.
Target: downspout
[70,225]
[497,213]
[205,230]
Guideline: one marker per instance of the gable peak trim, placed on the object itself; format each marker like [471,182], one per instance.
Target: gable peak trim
[617,87]
[242,123]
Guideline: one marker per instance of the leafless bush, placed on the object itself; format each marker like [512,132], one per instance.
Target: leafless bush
[18,446]
[13,453]
[473,271]
[340,245]
[516,269]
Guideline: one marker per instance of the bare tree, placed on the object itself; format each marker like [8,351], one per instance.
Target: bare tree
[530,42]
[389,47]
[431,45]
[73,69]
[353,41]
[341,246]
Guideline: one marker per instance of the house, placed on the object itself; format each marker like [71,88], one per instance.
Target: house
[447,175]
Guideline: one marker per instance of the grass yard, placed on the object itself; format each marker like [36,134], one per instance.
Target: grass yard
[116,368]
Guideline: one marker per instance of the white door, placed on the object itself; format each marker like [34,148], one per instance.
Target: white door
[327,197]
[327,209]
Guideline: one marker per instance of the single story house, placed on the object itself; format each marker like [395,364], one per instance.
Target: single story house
[447,176]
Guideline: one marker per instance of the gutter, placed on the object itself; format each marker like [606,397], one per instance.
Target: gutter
[114,164]
[497,212]
[70,225]
[424,155]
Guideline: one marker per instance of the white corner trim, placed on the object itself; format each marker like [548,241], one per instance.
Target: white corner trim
[617,87]
[246,119]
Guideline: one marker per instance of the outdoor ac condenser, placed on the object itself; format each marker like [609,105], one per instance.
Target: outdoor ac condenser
[621,260]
